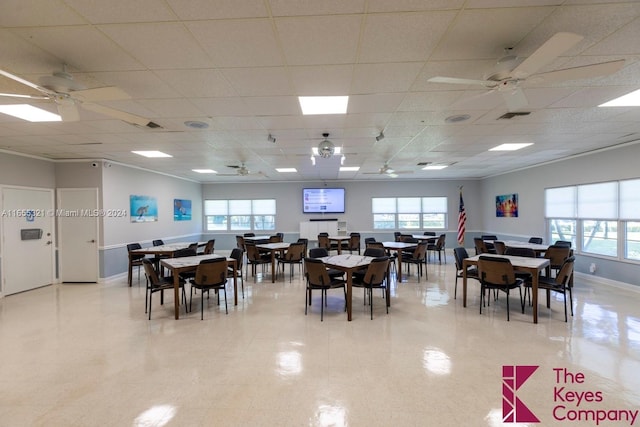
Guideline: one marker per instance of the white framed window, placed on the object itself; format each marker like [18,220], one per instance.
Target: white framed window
[240,215]
[409,213]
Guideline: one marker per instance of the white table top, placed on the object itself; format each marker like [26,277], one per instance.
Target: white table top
[516,261]
[189,261]
[348,261]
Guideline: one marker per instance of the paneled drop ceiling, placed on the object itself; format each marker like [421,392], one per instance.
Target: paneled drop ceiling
[238,66]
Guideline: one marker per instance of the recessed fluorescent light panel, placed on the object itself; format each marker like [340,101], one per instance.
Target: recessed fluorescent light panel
[29,113]
[434,167]
[629,100]
[323,104]
[286,170]
[511,147]
[204,170]
[349,168]
[152,153]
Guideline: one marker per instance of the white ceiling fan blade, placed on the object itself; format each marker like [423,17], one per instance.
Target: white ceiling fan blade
[26,82]
[550,50]
[515,99]
[458,81]
[68,111]
[583,72]
[109,93]
[17,95]
[118,114]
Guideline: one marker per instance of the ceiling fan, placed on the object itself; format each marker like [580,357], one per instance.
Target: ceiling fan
[387,170]
[511,72]
[61,88]
[241,170]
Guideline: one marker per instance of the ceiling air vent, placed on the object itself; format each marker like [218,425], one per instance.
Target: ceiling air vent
[512,115]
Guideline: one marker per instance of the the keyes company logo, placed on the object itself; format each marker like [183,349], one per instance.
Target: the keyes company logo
[571,397]
[513,410]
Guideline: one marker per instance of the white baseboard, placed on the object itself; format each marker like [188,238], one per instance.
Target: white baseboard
[607,282]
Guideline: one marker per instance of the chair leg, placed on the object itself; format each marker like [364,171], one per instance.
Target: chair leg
[507,304]
[150,296]
[226,309]
[307,296]
[323,296]
[202,304]
[371,301]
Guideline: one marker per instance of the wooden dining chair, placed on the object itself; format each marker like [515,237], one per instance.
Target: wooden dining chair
[318,279]
[498,274]
[158,284]
[375,277]
[211,274]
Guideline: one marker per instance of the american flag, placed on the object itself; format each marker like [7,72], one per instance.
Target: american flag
[462,219]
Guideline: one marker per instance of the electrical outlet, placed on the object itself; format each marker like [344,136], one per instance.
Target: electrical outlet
[592,268]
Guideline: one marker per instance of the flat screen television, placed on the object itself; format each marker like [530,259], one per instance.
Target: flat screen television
[322,200]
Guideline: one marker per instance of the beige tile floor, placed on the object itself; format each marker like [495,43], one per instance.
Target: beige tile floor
[86,355]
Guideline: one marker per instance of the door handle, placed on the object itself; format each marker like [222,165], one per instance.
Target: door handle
[91,241]
[49,242]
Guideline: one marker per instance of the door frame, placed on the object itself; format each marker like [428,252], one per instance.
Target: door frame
[61,237]
[52,225]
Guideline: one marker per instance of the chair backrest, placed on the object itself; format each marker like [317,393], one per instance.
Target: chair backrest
[211,271]
[306,244]
[354,241]
[377,245]
[500,247]
[252,252]
[489,237]
[429,233]
[194,246]
[368,240]
[295,252]
[481,246]
[557,254]
[460,254]
[565,273]
[240,243]
[396,236]
[564,243]
[376,271]
[374,252]
[316,272]
[135,257]
[237,254]
[408,238]
[209,247]
[441,241]
[527,252]
[280,237]
[150,271]
[496,271]
[323,241]
[158,242]
[132,246]
[318,252]
[249,235]
[536,240]
[274,239]
[420,252]
[181,253]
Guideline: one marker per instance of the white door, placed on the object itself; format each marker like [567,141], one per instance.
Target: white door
[27,239]
[78,222]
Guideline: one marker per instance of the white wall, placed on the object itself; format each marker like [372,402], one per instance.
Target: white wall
[608,165]
[118,183]
[358,203]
